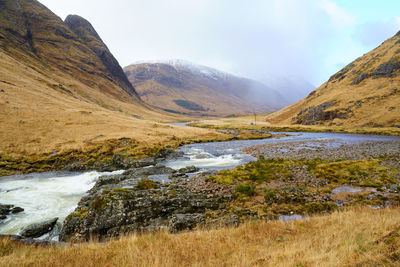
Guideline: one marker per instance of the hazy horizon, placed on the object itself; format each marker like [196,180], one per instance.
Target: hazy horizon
[262,40]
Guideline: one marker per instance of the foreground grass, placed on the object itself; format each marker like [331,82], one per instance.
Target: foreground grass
[359,236]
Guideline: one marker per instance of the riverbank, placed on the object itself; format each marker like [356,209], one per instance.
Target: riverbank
[115,154]
[356,237]
[260,124]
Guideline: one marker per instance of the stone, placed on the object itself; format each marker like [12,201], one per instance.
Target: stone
[180,222]
[173,176]
[17,210]
[38,229]
[188,169]
[117,210]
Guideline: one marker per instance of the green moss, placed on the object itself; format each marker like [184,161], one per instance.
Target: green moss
[263,170]
[247,189]
[80,213]
[146,184]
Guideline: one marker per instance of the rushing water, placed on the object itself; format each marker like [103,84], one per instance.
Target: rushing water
[43,196]
[48,195]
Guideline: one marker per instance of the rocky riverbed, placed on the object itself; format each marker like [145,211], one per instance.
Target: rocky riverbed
[295,175]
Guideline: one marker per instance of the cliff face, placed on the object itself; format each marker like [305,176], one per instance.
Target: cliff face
[184,87]
[85,31]
[365,93]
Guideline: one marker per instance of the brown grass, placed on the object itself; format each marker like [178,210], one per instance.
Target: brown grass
[360,236]
[262,124]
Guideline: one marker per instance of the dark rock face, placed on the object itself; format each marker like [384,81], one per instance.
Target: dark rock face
[387,69]
[38,229]
[181,222]
[87,33]
[115,206]
[342,73]
[316,115]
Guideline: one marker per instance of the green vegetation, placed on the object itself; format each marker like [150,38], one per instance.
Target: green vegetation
[189,105]
[367,172]
[270,187]
[146,184]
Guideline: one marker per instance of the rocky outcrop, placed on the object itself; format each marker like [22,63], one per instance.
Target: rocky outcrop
[316,114]
[38,229]
[6,210]
[124,203]
[88,34]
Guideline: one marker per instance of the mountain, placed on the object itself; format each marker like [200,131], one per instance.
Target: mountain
[183,87]
[364,93]
[60,86]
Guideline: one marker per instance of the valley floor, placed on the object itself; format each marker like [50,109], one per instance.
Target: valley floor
[356,237]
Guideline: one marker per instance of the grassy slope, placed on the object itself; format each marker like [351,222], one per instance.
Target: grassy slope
[57,94]
[357,237]
[379,100]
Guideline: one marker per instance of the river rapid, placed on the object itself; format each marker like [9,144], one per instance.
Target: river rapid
[44,196]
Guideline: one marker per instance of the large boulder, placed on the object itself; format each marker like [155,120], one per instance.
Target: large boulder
[118,208]
[38,229]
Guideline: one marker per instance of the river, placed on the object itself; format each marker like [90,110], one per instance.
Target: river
[47,195]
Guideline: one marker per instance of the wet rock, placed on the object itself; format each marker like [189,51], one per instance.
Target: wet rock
[144,172]
[110,212]
[188,169]
[17,210]
[181,222]
[38,229]
[168,154]
[7,210]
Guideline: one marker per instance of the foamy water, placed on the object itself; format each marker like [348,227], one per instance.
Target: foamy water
[43,196]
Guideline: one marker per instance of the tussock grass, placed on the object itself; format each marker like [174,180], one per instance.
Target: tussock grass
[357,237]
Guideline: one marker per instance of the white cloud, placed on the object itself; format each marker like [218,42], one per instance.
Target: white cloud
[340,17]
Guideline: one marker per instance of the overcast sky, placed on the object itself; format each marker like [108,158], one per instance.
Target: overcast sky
[311,39]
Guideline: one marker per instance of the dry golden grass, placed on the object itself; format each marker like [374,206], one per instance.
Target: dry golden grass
[261,123]
[358,237]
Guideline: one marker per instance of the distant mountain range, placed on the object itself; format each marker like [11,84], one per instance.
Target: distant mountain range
[365,93]
[184,87]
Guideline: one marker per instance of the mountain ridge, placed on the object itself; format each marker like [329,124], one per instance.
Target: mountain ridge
[166,83]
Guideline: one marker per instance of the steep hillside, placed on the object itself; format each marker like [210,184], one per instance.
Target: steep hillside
[184,87]
[365,93]
[61,88]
